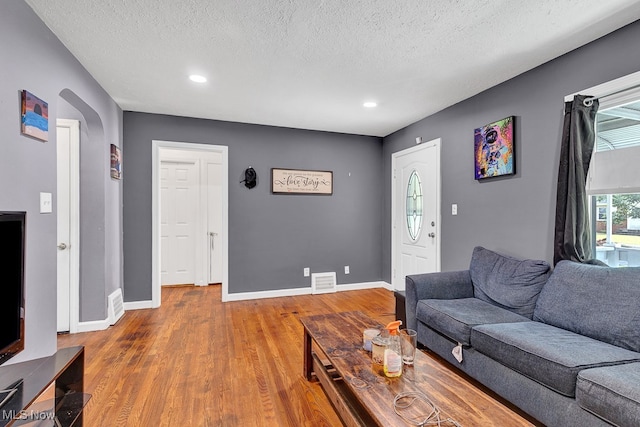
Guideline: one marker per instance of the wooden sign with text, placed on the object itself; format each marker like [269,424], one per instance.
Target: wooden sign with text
[292,181]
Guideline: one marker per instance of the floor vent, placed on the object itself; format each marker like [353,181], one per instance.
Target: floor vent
[115,305]
[322,283]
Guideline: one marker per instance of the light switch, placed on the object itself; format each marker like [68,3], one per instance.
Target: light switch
[454,209]
[46,206]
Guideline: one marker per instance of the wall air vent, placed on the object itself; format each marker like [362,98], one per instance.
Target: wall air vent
[322,283]
[115,306]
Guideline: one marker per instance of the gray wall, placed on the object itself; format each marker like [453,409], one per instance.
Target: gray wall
[34,59]
[512,215]
[271,237]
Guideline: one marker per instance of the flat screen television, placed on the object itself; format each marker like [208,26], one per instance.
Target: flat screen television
[12,244]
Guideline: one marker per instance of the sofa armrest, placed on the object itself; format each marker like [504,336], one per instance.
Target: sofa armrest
[441,285]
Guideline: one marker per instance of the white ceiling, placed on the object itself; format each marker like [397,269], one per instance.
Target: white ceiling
[312,63]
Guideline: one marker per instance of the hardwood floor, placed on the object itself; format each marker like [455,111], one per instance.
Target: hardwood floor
[198,362]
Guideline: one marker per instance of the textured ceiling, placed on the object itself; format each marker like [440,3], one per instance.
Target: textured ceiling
[312,63]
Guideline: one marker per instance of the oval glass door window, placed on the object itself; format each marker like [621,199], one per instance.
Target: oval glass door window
[414,206]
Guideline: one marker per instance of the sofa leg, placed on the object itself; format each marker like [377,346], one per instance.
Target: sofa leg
[401,313]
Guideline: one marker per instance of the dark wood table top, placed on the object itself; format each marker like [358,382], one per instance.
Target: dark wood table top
[339,337]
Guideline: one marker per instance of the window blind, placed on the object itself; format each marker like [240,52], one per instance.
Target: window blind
[614,172]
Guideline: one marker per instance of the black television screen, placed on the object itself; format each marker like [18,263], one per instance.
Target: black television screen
[12,239]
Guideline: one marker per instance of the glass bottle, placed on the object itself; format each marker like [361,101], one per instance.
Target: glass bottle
[392,360]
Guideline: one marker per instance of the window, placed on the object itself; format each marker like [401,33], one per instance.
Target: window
[614,182]
[602,213]
[414,206]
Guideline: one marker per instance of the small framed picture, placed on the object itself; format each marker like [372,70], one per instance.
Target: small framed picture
[494,149]
[34,115]
[116,162]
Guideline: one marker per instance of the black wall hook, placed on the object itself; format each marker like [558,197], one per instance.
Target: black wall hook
[250,177]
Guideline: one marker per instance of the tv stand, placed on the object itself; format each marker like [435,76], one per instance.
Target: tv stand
[65,369]
[8,392]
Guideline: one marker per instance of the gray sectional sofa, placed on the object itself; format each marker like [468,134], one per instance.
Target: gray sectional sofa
[562,345]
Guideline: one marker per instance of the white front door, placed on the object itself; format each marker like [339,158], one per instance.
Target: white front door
[415,212]
[179,212]
[67,149]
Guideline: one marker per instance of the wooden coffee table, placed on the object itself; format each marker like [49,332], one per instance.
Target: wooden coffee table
[334,356]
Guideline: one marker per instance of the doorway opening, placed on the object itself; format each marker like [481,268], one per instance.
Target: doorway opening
[189,216]
[97,223]
[68,229]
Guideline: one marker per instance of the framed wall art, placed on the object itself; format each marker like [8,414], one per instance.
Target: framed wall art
[116,162]
[494,149]
[34,115]
[293,181]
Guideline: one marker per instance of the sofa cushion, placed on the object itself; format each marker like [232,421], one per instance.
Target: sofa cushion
[454,318]
[599,302]
[612,393]
[544,353]
[507,282]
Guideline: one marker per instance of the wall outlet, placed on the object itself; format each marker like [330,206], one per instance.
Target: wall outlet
[306,272]
[454,209]
[346,269]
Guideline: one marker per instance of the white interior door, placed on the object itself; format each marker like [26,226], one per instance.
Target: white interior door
[67,152]
[179,213]
[416,212]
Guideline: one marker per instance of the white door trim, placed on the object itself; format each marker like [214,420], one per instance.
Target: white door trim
[155,213]
[74,221]
[395,281]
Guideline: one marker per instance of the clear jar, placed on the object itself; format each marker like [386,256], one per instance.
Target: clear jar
[378,345]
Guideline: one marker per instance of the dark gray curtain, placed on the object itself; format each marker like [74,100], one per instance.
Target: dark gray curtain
[572,229]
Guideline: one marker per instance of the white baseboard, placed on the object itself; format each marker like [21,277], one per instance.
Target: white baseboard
[138,305]
[94,325]
[304,291]
[360,286]
[242,296]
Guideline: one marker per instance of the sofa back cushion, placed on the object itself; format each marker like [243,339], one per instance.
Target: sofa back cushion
[599,302]
[507,282]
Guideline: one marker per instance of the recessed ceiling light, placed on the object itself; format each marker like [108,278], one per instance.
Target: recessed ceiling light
[198,79]
[370,104]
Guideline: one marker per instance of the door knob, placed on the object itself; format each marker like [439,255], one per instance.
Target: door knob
[212,239]
[432,234]
[62,246]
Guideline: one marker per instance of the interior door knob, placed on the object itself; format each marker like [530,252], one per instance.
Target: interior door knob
[432,234]
[62,246]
